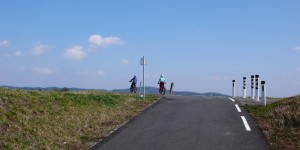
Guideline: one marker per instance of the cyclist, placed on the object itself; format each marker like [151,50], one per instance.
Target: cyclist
[161,82]
[133,83]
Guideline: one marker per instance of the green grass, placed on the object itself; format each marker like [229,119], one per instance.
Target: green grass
[280,122]
[63,120]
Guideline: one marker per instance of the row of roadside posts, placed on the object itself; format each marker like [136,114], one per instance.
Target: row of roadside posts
[254,92]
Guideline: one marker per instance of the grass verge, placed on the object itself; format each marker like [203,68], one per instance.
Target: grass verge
[63,120]
[280,122]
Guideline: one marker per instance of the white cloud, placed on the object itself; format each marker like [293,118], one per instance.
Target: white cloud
[125,61]
[18,54]
[75,53]
[39,49]
[88,73]
[297,48]
[41,70]
[4,43]
[98,40]
[298,69]
[100,73]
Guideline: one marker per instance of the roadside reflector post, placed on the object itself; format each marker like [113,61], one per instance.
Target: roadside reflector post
[252,86]
[171,89]
[263,93]
[256,87]
[244,87]
[233,88]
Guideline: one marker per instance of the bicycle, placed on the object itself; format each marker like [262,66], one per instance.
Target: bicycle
[133,88]
[162,89]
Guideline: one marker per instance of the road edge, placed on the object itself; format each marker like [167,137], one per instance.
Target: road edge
[122,127]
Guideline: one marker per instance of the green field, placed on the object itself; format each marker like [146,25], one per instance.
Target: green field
[63,120]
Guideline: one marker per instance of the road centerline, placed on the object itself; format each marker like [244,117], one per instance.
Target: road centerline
[246,123]
[238,108]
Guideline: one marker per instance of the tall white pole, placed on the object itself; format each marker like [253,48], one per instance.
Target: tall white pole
[263,93]
[244,87]
[140,89]
[257,87]
[144,76]
[252,86]
[233,88]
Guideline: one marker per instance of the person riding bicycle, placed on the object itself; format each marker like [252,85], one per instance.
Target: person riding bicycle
[133,82]
[161,82]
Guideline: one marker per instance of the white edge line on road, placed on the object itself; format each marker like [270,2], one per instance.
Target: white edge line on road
[246,123]
[238,108]
[232,99]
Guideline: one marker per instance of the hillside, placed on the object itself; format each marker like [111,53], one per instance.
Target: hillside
[280,122]
[63,120]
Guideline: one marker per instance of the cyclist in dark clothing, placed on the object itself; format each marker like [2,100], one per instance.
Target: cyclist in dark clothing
[133,84]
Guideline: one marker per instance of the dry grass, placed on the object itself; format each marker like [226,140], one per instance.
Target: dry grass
[62,120]
[280,122]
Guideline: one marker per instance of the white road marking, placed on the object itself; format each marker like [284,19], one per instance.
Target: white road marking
[238,108]
[246,123]
[232,99]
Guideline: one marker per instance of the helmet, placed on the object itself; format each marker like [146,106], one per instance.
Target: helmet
[162,75]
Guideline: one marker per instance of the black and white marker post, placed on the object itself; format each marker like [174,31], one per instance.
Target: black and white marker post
[256,87]
[263,93]
[233,88]
[244,87]
[252,86]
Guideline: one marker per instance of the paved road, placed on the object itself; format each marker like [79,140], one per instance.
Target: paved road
[188,123]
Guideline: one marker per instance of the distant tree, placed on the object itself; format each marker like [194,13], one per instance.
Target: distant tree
[65,89]
[55,89]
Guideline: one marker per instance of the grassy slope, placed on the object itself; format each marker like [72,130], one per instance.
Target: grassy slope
[62,120]
[280,122]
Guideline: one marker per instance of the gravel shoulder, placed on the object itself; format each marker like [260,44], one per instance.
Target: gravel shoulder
[249,101]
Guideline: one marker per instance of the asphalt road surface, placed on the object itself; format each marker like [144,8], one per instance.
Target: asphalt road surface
[188,123]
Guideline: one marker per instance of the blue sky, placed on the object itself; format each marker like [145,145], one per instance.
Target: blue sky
[199,45]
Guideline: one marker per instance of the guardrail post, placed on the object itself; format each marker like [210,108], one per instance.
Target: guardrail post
[171,89]
[244,87]
[252,86]
[263,93]
[233,88]
[256,87]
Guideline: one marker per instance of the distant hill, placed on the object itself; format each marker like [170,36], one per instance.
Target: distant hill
[154,90]
[149,90]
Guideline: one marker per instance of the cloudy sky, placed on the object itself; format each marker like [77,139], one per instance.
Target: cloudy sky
[199,45]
